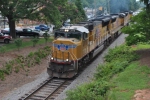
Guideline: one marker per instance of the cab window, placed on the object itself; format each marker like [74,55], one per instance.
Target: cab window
[57,35]
[74,35]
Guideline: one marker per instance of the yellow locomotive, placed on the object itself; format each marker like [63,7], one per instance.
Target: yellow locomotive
[77,44]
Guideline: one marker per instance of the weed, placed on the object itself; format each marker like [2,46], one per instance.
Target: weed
[2,75]
[8,67]
[2,49]
[18,43]
[34,41]
[17,69]
[46,37]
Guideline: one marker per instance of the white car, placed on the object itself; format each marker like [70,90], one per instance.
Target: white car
[40,32]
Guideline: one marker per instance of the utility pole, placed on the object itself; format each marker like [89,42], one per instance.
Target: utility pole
[108,6]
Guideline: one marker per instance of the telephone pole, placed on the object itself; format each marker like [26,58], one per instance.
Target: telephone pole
[108,6]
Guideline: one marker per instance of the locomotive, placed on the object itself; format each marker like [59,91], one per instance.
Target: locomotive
[77,44]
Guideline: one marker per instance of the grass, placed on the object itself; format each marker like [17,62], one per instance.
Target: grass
[141,46]
[12,46]
[134,77]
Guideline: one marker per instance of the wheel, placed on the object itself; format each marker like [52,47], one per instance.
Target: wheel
[6,41]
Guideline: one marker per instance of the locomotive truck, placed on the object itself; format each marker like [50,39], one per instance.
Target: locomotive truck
[77,44]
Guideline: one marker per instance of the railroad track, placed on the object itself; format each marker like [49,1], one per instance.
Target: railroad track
[48,90]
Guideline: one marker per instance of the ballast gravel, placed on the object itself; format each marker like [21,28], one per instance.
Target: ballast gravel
[85,77]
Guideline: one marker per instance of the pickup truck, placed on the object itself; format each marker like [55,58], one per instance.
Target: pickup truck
[42,27]
[5,38]
[27,32]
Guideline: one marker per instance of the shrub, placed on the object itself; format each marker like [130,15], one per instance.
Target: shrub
[18,43]
[46,37]
[121,52]
[8,67]
[91,91]
[35,41]
[2,49]
[2,75]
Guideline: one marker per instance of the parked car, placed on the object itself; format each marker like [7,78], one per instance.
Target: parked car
[27,32]
[41,32]
[42,27]
[7,30]
[5,38]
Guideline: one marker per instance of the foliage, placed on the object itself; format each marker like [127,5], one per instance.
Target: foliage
[80,9]
[146,2]
[122,52]
[46,37]
[138,29]
[73,11]
[2,49]
[2,75]
[18,43]
[35,41]
[91,91]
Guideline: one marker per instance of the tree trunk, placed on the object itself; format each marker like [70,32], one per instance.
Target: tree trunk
[12,27]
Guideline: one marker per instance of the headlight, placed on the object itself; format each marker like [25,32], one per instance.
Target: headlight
[67,59]
[52,58]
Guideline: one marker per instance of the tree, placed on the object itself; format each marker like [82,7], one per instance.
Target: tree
[147,3]
[80,9]
[138,29]
[74,11]
[47,10]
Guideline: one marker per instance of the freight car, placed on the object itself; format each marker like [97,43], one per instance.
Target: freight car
[77,44]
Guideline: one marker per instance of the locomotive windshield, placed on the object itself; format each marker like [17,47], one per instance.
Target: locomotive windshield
[76,35]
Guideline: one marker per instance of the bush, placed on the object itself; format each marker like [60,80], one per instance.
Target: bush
[122,52]
[2,74]
[35,41]
[2,49]
[46,37]
[91,91]
[18,43]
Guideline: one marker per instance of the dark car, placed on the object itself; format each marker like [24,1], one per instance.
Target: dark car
[27,32]
[5,38]
[7,30]
[42,27]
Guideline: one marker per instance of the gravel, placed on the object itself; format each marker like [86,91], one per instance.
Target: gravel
[85,77]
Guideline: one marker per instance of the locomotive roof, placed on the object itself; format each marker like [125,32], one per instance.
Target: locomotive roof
[122,15]
[79,28]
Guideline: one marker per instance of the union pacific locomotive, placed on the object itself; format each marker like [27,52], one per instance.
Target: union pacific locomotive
[75,45]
